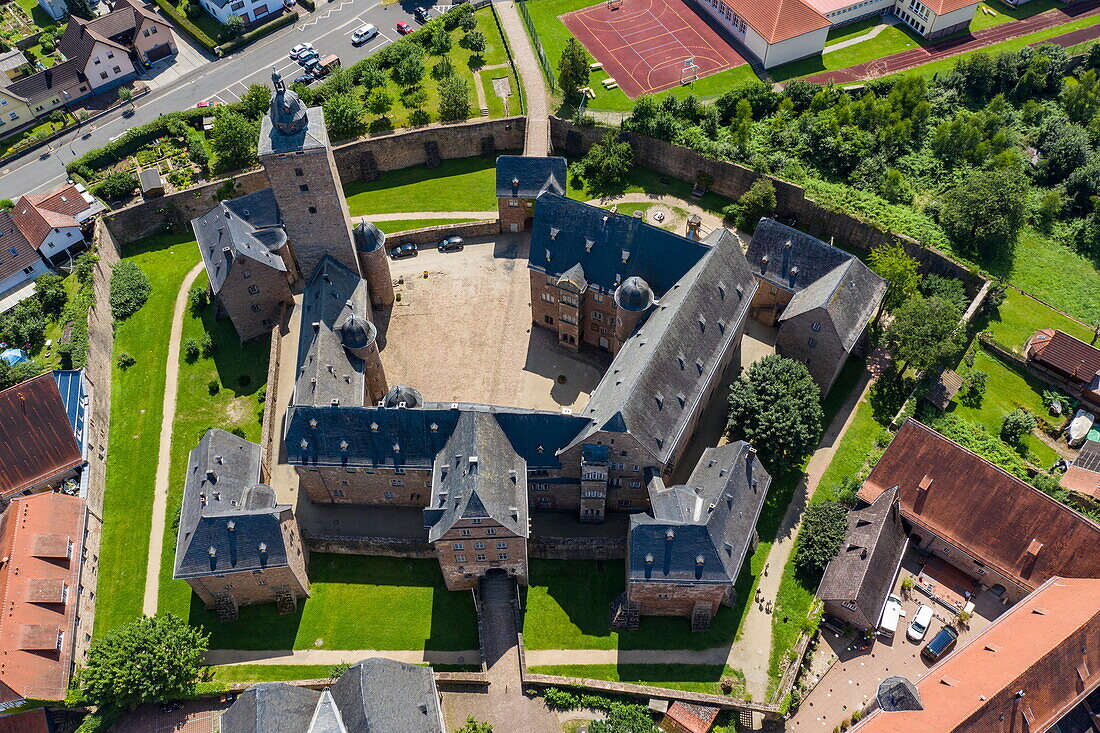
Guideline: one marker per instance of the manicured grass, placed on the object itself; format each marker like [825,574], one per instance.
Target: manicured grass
[357,602]
[271,672]
[1057,274]
[1019,316]
[1005,13]
[1006,389]
[705,678]
[401,225]
[890,40]
[26,137]
[463,184]
[240,372]
[38,16]
[137,398]
[644,180]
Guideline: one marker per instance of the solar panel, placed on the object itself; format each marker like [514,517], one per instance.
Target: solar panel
[1089,457]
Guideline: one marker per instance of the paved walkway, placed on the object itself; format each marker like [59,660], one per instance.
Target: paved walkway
[948,47]
[164,454]
[339,656]
[534,87]
[403,215]
[887,21]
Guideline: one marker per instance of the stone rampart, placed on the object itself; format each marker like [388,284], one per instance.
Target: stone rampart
[578,548]
[358,545]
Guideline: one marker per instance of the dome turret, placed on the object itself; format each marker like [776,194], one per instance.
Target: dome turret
[357,333]
[288,112]
[634,294]
[368,237]
[403,394]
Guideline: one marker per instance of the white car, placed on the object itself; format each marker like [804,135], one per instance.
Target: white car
[300,49]
[919,626]
[363,34]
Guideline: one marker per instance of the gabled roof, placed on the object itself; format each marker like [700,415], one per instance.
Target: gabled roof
[16,253]
[271,707]
[336,316]
[12,60]
[58,78]
[525,177]
[863,570]
[656,381]
[575,233]
[780,20]
[1044,647]
[229,522]
[37,441]
[702,531]
[81,36]
[995,517]
[37,214]
[1065,354]
[249,226]
[383,696]
[945,385]
[477,474]
[40,541]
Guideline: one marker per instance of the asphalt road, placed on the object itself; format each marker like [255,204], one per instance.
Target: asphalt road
[329,29]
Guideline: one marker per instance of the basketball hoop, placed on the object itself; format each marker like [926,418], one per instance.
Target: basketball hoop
[689,72]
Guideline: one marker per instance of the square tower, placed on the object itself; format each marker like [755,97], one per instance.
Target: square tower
[297,158]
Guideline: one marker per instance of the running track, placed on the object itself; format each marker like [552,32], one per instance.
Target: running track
[979,39]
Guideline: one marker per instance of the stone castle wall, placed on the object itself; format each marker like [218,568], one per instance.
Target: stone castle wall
[577,548]
[384,546]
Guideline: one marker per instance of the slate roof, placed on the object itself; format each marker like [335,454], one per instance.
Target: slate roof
[80,36]
[227,509]
[37,441]
[993,516]
[12,60]
[477,474]
[58,78]
[310,137]
[864,568]
[411,438]
[335,310]
[326,716]
[1062,353]
[820,276]
[654,386]
[384,696]
[525,177]
[16,253]
[271,707]
[711,519]
[563,227]
[249,226]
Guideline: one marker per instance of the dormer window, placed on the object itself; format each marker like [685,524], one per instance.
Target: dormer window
[553,234]
[626,255]
[815,326]
[304,444]
[588,244]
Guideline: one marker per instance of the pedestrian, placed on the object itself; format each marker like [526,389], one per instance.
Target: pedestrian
[766,569]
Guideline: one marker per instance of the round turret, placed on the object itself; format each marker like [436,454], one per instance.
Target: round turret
[370,247]
[357,333]
[368,237]
[401,394]
[288,112]
[634,295]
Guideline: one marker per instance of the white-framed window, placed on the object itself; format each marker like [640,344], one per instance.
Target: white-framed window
[513,203]
[815,326]
[338,492]
[479,545]
[458,546]
[547,298]
[502,545]
[460,558]
[491,530]
[388,494]
[476,521]
[397,482]
[465,533]
[502,556]
[481,558]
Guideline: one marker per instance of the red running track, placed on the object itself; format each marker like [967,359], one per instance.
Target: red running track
[979,39]
[643,44]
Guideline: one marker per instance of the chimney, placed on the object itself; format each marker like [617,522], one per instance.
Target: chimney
[213,551]
[925,483]
[231,525]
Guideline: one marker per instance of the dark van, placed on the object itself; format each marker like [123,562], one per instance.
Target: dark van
[940,645]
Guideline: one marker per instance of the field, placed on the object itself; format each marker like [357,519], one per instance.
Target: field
[464,184]
[1020,316]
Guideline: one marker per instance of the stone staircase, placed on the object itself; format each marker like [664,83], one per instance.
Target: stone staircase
[225,605]
[285,600]
[624,615]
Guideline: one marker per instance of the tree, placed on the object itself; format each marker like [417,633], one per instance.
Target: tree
[115,185]
[235,25]
[823,528]
[191,350]
[379,102]
[130,289]
[440,41]
[1017,424]
[775,405]
[256,101]
[985,212]
[443,69]
[233,140]
[126,94]
[474,41]
[6,204]
[924,332]
[344,116]
[475,726]
[757,202]
[454,99]
[49,289]
[11,375]
[25,324]
[606,164]
[409,70]
[573,68]
[152,659]
[973,389]
[891,263]
[81,9]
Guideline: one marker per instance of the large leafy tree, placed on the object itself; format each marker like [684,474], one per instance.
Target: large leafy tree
[344,116]
[776,406]
[892,264]
[823,529]
[606,164]
[49,289]
[233,140]
[152,659]
[454,98]
[573,69]
[984,213]
[256,101]
[81,9]
[924,332]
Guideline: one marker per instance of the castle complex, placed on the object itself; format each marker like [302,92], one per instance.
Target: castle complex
[670,310]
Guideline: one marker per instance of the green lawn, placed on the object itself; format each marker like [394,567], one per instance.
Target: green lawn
[890,40]
[271,672]
[137,396]
[463,184]
[402,225]
[1020,316]
[1006,389]
[1005,13]
[705,678]
[645,180]
[1057,274]
[38,16]
[357,602]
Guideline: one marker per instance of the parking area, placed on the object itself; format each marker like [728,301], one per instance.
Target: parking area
[461,332]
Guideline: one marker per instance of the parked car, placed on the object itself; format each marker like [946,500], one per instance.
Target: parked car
[450,244]
[305,79]
[421,14]
[401,251]
[404,28]
[326,65]
[207,103]
[308,55]
[300,49]
[312,65]
[940,645]
[919,626]
[892,613]
[363,34]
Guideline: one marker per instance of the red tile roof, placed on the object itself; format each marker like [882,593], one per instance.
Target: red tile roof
[36,437]
[31,665]
[1083,475]
[940,7]
[36,214]
[1045,646]
[995,517]
[33,721]
[780,20]
[1062,353]
[682,716]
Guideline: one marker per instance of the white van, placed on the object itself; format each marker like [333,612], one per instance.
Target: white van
[892,613]
[363,34]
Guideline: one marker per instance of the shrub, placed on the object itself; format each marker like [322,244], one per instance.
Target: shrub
[244,380]
[125,360]
[213,386]
[191,350]
[198,297]
[6,204]
[261,394]
[757,202]
[84,266]
[129,289]
[206,343]
[973,391]
[1016,424]
[823,529]
[116,185]
[337,670]
[558,699]
[419,117]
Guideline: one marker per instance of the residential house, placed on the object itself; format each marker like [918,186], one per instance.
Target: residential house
[520,180]
[39,449]
[822,299]
[236,545]
[1002,532]
[41,537]
[12,63]
[373,695]
[55,222]
[1083,475]
[56,9]
[1035,668]
[243,246]
[20,263]
[684,559]
[137,26]
[249,10]
[857,582]
[1068,360]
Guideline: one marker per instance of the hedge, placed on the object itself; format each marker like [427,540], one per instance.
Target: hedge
[308,5]
[131,140]
[247,38]
[192,30]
